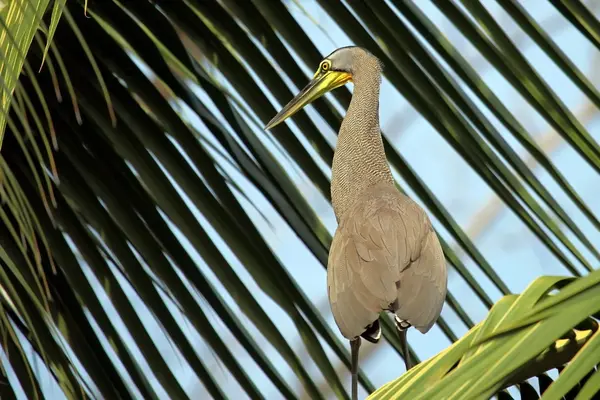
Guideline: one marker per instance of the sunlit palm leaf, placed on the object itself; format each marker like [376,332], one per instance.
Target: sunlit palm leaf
[19,21]
[97,233]
[520,338]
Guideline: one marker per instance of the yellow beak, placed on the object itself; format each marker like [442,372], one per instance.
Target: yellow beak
[317,87]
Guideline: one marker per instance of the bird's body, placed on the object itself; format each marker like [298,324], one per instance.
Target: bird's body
[375,258]
[385,255]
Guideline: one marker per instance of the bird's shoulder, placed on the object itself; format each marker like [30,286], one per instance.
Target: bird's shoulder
[383,202]
[383,230]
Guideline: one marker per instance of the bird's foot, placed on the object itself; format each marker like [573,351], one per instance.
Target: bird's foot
[401,324]
[372,332]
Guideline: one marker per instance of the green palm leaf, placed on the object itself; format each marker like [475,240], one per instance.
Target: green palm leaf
[516,341]
[143,206]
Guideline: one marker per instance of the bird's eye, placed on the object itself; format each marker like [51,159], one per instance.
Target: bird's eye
[325,66]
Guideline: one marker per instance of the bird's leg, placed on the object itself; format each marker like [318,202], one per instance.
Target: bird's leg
[404,344]
[354,347]
[402,327]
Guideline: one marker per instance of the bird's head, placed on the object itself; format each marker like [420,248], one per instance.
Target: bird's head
[334,71]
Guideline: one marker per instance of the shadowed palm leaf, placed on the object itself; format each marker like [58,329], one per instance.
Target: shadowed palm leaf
[142,202]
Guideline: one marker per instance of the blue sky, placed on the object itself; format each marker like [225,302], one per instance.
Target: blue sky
[507,244]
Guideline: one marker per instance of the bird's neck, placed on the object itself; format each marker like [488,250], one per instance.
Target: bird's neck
[359,161]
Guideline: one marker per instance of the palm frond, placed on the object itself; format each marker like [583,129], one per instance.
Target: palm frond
[517,341]
[136,180]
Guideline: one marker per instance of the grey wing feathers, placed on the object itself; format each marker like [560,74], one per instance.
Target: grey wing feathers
[385,256]
[422,288]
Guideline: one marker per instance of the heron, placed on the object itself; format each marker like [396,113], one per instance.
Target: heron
[385,255]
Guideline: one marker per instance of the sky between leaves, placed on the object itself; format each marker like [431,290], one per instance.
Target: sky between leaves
[510,247]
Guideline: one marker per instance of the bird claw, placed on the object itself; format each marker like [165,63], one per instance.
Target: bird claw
[401,324]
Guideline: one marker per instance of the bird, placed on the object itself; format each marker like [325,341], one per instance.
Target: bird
[385,255]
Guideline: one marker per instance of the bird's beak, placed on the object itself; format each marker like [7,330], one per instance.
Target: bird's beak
[317,87]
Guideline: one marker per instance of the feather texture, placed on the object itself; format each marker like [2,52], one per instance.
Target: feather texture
[385,256]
